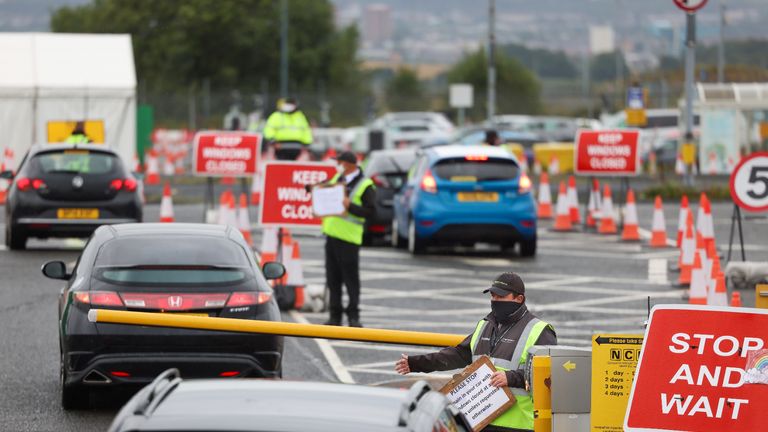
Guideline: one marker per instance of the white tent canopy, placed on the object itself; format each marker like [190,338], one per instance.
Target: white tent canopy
[67,77]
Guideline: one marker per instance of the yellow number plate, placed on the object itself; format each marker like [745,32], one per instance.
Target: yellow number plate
[77,213]
[478,196]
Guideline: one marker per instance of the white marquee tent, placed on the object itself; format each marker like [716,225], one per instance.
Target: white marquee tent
[48,77]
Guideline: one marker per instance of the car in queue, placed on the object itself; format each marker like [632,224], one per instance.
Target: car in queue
[188,269]
[388,170]
[465,195]
[65,190]
[171,403]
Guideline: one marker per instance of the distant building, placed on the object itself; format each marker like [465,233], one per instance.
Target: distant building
[377,27]
[601,40]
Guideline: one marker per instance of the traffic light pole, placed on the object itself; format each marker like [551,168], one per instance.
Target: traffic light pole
[491,59]
[690,66]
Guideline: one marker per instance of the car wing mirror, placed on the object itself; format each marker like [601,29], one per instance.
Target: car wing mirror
[56,270]
[7,174]
[273,270]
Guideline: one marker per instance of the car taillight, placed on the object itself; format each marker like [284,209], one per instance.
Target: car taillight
[379,181]
[248,298]
[524,186]
[98,298]
[428,182]
[23,184]
[128,184]
[476,157]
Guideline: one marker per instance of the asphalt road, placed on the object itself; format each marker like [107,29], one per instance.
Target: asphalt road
[582,283]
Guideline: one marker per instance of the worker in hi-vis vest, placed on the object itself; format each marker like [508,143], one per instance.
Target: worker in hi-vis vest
[344,235]
[505,335]
[287,129]
[78,135]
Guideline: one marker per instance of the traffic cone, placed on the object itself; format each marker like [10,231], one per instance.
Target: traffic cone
[8,159]
[179,164]
[682,217]
[243,221]
[736,299]
[330,154]
[303,156]
[708,226]
[537,167]
[700,221]
[268,248]
[136,163]
[523,164]
[659,225]
[231,213]
[687,253]
[256,188]
[698,291]
[3,185]
[227,181]
[545,198]
[718,295]
[652,164]
[712,166]
[152,169]
[593,207]
[573,201]
[554,166]
[607,215]
[563,217]
[679,165]
[166,205]
[631,230]
[169,168]
[295,275]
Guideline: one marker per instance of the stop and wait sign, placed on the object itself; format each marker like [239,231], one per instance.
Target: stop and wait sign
[284,198]
[226,153]
[701,369]
[607,153]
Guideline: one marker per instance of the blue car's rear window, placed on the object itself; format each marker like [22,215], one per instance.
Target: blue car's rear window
[476,169]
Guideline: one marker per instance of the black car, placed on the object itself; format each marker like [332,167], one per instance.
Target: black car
[192,269]
[65,190]
[388,170]
[172,404]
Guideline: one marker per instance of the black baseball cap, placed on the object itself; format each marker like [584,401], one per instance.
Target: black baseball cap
[507,283]
[347,156]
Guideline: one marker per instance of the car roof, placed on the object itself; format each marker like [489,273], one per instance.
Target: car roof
[277,406]
[153,229]
[452,151]
[38,148]
[393,152]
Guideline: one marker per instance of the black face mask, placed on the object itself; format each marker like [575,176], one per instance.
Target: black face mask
[503,309]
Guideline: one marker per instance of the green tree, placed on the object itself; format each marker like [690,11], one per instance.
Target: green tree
[404,92]
[603,66]
[544,63]
[517,90]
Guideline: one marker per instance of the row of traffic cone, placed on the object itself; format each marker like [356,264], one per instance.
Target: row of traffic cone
[290,257]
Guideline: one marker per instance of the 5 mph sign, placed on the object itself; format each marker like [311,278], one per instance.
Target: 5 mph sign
[690,5]
[749,183]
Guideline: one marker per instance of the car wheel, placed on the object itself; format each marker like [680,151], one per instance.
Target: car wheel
[15,238]
[72,397]
[398,242]
[528,247]
[415,246]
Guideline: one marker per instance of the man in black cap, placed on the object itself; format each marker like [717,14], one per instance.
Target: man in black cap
[504,335]
[344,235]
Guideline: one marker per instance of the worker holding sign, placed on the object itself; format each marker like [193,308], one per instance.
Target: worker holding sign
[505,335]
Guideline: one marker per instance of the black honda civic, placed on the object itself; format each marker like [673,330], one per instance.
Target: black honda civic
[192,269]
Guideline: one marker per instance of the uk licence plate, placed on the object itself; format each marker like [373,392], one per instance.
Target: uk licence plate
[77,213]
[478,196]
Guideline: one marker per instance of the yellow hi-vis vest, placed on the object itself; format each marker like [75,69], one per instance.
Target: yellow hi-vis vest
[288,127]
[77,139]
[520,415]
[348,227]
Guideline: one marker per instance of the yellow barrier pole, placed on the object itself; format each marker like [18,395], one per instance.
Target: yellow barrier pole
[542,393]
[272,327]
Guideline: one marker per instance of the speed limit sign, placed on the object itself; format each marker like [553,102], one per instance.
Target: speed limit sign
[749,183]
[690,5]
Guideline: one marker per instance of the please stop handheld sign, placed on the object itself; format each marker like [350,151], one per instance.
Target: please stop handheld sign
[701,368]
[749,183]
[607,153]
[284,198]
[225,153]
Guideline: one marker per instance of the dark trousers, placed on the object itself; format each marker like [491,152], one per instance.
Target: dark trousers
[342,265]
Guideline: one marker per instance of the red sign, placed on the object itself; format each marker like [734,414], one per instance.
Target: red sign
[226,154]
[284,198]
[608,153]
[749,183]
[690,5]
[701,369]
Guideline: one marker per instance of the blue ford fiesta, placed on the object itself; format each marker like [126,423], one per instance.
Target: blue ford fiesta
[462,195]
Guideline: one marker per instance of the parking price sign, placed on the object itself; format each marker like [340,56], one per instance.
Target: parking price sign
[614,360]
[284,198]
[702,368]
[607,153]
[225,153]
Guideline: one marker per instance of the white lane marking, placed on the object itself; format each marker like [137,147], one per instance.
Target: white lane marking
[334,361]
[657,270]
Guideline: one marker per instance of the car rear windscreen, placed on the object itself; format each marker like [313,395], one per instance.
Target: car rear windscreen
[389,162]
[476,168]
[181,250]
[171,275]
[76,161]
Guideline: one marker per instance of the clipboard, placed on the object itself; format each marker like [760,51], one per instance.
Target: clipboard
[328,200]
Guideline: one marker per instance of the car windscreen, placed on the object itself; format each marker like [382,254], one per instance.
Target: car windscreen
[75,161]
[476,168]
[390,162]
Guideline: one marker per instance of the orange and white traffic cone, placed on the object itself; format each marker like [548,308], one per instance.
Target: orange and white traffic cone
[169,167]
[707,225]
[593,206]
[545,198]
[631,230]
[681,219]
[256,188]
[136,163]
[679,165]
[152,169]
[3,185]
[573,201]
[659,225]
[718,295]
[736,299]
[687,253]
[563,216]
[166,205]
[178,160]
[227,181]
[268,248]
[303,156]
[700,221]
[221,214]
[243,221]
[230,217]
[330,154]
[537,171]
[554,166]
[607,214]
[295,275]
[698,291]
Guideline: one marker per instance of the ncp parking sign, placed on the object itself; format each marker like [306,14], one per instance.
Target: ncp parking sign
[607,153]
[226,153]
[284,199]
[749,183]
[701,369]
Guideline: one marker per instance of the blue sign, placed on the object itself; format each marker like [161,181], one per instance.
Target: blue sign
[635,99]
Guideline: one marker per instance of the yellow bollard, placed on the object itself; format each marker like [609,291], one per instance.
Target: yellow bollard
[761,296]
[271,327]
[542,393]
